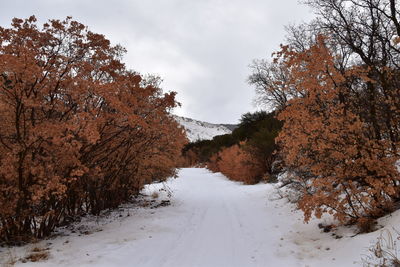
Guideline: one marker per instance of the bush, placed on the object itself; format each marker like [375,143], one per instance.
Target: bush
[80,133]
[341,168]
[238,165]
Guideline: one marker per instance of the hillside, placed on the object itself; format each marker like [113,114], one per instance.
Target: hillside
[200,130]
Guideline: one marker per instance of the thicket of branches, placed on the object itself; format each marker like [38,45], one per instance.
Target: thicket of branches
[79,132]
[336,85]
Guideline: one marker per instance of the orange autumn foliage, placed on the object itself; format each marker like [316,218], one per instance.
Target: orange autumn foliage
[80,133]
[238,164]
[338,164]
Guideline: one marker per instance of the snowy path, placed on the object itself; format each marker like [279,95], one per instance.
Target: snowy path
[211,222]
[219,224]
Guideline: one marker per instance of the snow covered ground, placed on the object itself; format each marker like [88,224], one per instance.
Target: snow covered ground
[211,222]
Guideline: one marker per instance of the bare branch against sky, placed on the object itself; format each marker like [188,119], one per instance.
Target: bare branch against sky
[201,49]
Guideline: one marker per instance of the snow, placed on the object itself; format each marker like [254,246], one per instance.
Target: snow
[211,222]
[198,130]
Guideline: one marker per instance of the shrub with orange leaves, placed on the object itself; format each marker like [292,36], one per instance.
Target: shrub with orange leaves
[238,164]
[342,169]
[80,133]
[213,163]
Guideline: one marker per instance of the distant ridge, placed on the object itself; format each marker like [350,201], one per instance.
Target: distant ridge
[230,126]
[200,130]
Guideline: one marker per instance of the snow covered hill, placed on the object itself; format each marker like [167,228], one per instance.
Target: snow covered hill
[199,130]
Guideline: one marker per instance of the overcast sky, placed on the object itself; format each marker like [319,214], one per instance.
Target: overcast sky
[201,49]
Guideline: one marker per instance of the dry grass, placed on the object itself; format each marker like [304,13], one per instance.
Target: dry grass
[37,254]
[384,252]
[37,249]
[10,261]
[155,195]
